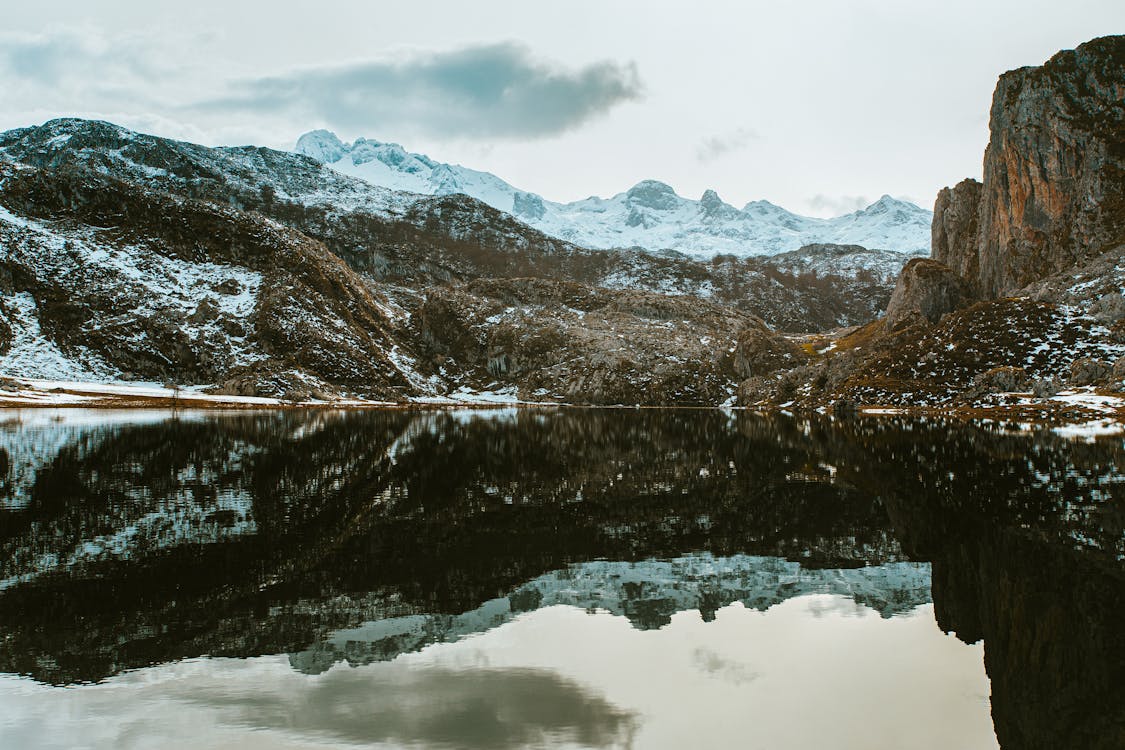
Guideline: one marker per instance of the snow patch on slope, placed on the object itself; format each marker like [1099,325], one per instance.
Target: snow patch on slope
[156,284]
[32,354]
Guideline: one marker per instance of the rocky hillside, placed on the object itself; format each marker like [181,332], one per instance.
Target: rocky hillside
[108,281]
[104,280]
[134,258]
[649,215]
[1023,296]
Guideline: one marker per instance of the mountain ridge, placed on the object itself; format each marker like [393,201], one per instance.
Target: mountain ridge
[650,214]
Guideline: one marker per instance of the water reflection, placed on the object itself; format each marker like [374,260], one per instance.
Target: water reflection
[130,541]
[648,594]
[810,672]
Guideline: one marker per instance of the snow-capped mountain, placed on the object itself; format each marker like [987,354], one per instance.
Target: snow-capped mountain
[650,214]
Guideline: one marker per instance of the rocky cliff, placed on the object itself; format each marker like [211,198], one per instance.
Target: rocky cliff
[1053,194]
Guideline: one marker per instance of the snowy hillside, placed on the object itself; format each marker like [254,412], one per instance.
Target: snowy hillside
[649,215]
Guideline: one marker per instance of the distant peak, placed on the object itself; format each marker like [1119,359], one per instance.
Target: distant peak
[322,145]
[326,147]
[762,206]
[653,194]
[887,203]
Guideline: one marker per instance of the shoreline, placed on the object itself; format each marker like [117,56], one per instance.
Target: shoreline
[1079,413]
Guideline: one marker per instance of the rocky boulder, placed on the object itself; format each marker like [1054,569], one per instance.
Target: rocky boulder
[925,292]
[760,351]
[1089,371]
[1003,379]
[1109,308]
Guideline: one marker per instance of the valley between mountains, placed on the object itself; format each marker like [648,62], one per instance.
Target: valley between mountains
[136,268]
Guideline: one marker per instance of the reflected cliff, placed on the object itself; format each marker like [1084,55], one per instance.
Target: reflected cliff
[358,537]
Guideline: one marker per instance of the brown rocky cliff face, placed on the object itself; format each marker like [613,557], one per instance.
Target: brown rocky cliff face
[1054,171]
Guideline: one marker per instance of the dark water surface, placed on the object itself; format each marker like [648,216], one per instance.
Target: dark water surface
[572,578]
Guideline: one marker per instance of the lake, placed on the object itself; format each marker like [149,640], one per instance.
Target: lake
[566,578]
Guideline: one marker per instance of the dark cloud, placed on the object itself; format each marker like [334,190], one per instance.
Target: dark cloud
[499,709]
[493,91]
[716,146]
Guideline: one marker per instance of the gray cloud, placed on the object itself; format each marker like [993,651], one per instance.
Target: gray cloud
[488,93]
[500,709]
[715,146]
[838,205]
[492,91]
[718,666]
[73,59]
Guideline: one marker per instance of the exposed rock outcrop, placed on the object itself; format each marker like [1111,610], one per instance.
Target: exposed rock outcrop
[1089,371]
[925,292]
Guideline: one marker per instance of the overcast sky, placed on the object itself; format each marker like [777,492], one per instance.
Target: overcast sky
[818,106]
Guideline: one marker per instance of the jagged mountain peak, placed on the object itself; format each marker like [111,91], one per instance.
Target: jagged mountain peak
[763,206]
[714,208]
[710,201]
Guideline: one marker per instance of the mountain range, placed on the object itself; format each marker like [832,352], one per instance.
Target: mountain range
[649,215]
[129,257]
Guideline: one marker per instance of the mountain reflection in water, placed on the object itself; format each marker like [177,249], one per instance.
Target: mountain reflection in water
[130,541]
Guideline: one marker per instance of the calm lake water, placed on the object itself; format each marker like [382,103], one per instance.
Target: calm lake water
[556,578]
